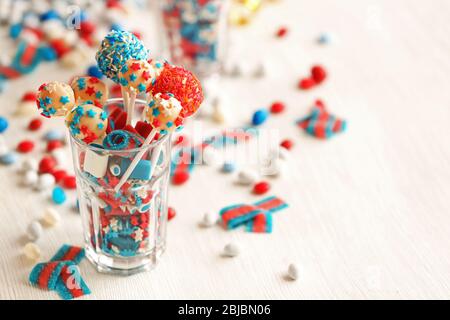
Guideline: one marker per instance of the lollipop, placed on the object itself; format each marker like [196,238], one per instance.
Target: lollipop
[87,122]
[163,113]
[54,99]
[184,86]
[136,76]
[89,89]
[116,49]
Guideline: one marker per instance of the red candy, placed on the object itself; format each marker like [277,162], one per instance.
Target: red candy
[59,175]
[54,144]
[277,107]
[306,83]
[29,96]
[47,164]
[171,213]
[180,177]
[287,144]
[261,187]
[281,32]
[318,73]
[183,84]
[25,146]
[69,182]
[35,124]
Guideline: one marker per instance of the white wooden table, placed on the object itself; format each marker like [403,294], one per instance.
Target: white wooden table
[369,212]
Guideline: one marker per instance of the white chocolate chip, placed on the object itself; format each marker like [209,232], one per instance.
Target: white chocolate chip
[292,272]
[34,231]
[45,181]
[231,250]
[246,177]
[51,217]
[30,178]
[32,251]
[208,220]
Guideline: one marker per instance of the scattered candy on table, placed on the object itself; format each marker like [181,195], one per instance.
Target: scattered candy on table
[231,250]
[247,177]
[277,107]
[32,251]
[292,272]
[25,146]
[34,231]
[261,187]
[51,217]
[209,219]
[256,217]
[321,124]
[259,117]
[287,144]
[61,273]
[58,195]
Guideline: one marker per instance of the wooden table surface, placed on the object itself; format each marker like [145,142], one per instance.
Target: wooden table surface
[369,213]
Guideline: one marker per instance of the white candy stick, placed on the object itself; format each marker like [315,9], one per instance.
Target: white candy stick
[131,103]
[135,161]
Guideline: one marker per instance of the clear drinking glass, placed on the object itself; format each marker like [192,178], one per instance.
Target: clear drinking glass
[196,34]
[125,231]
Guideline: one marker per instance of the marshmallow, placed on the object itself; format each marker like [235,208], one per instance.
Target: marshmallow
[95,164]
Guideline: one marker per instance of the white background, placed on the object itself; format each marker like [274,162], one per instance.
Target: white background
[369,210]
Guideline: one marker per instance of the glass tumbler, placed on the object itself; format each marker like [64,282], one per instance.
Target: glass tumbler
[196,34]
[125,230]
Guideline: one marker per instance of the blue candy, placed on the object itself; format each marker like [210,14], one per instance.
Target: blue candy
[54,135]
[58,195]
[324,38]
[141,172]
[15,30]
[228,167]
[50,14]
[8,158]
[94,71]
[48,53]
[3,124]
[259,117]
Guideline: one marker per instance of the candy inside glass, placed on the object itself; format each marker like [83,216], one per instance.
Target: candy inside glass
[196,34]
[125,231]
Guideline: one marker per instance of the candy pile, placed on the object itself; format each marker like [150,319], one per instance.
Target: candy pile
[48,31]
[255,218]
[193,29]
[317,76]
[61,273]
[120,184]
[320,123]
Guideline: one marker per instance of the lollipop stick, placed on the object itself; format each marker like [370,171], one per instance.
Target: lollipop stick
[131,104]
[126,98]
[135,161]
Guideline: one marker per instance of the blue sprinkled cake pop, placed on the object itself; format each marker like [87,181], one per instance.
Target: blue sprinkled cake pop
[116,49]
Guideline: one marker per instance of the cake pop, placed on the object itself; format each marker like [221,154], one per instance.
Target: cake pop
[163,113]
[137,75]
[90,89]
[55,99]
[184,86]
[87,122]
[116,49]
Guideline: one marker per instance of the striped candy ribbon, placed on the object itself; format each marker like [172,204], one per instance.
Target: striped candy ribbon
[321,124]
[256,217]
[61,273]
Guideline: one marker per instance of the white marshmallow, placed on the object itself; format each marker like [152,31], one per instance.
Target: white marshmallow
[95,164]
